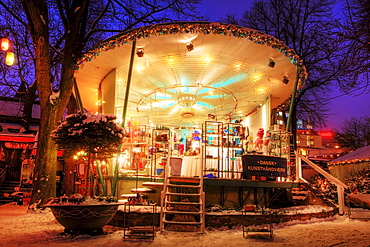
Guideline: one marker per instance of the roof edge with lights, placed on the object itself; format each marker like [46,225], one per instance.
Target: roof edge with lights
[197,27]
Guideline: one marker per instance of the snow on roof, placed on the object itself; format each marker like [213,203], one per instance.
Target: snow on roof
[359,155]
[7,126]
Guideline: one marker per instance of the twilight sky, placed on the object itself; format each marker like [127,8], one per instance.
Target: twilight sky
[220,8]
[342,106]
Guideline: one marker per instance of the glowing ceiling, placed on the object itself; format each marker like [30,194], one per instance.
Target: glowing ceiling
[226,72]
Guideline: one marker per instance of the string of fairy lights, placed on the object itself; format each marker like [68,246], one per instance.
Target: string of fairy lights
[349,161]
[194,28]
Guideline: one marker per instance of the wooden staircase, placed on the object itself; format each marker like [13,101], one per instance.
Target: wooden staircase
[299,195]
[6,189]
[182,205]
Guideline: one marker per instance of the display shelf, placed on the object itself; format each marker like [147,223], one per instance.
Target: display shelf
[212,133]
[233,147]
[160,151]
[279,144]
[132,229]
[133,156]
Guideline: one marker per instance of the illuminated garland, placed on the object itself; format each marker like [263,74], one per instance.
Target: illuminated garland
[194,28]
[352,161]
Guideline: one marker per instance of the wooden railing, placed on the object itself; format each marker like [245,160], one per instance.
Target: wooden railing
[340,185]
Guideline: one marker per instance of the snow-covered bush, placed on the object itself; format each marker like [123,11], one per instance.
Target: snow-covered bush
[92,133]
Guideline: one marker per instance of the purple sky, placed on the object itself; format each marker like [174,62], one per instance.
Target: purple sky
[342,107]
[347,106]
[219,8]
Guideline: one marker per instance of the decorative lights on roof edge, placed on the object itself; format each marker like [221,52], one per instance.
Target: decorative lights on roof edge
[351,161]
[194,27]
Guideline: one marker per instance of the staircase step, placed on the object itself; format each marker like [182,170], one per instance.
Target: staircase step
[299,198]
[180,194]
[191,180]
[8,187]
[182,223]
[182,212]
[153,184]
[183,203]
[2,191]
[142,229]
[11,182]
[183,219]
[6,200]
[183,186]
[142,190]
[300,192]
[128,195]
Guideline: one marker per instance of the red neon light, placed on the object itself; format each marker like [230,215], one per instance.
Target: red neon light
[326,133]
[16,139]
[59,152]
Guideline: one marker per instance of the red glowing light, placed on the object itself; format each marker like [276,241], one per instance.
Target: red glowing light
[326,133]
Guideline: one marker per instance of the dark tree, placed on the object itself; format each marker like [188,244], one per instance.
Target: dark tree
[307,27]
[354,133]
[18,80]
[356,32]
[59,32]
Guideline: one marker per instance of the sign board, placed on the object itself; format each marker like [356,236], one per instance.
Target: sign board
[261,165]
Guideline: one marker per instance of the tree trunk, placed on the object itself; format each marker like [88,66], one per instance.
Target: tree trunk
[69,169]
[44,180]
[52,110]
[69,176]
[29,100]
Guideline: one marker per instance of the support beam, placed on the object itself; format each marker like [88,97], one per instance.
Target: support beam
[78,96]
[340,190]
[128,84]
[292,103]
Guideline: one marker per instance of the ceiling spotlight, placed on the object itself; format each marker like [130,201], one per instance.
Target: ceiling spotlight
[271,63]
[285,80]
[211,116]
[140,52]
[189,46]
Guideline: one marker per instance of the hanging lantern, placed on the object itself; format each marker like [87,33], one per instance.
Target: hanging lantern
[5,44]
[9,59]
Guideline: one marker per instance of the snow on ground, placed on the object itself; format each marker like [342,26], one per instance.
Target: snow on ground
[21,228]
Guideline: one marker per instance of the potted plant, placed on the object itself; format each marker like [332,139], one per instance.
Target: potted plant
[80,214]
[96,137]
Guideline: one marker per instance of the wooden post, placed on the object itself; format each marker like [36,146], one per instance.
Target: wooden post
[340,192]
[340,185]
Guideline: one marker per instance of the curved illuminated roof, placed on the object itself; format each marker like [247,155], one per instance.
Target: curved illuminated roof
[226,72]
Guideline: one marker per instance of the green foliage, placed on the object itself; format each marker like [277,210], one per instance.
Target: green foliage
[92,133]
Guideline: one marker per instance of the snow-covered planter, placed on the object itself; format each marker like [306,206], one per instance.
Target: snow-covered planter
[99,136]
[79,214]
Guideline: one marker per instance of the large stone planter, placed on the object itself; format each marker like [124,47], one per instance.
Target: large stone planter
[86,218]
